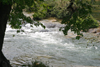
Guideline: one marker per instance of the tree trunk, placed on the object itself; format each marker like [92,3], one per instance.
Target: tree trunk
[4,14]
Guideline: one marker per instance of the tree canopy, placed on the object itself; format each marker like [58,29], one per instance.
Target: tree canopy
[76,14]
[77,18]
[17,11]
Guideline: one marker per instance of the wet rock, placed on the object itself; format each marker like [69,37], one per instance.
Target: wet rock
[92,30]
[98,30]
[95,30]
[53,25]
[60,25]
[44,30]
[50,25]
[98,33]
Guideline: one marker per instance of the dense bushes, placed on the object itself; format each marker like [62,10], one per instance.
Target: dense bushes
[58,9]
[50,8]
[94,23]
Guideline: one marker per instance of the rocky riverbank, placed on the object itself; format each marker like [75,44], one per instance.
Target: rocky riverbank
[94,30]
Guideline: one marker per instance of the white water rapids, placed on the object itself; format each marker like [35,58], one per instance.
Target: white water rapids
[50,45]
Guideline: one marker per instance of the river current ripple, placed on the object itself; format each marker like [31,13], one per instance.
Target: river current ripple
[50,45]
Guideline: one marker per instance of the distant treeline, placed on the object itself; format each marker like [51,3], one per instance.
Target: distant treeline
[49,8]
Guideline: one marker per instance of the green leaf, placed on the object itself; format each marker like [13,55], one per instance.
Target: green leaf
[78,37]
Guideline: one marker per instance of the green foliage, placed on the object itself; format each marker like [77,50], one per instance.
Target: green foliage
[96,2]
[41,11]
[29,9]
[96,10]
[15,19]
[40,15]
[18,31]
[38,23]
[19,2]
[60,9]
[80,20]
[50,8]
[16,15]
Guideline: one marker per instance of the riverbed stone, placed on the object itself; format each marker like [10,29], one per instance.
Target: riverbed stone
[94,30]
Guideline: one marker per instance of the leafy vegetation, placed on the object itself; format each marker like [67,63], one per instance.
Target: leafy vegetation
[49,8]
[96,10]
[77,18]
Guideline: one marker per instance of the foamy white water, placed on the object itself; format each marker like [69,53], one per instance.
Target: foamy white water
[50,45]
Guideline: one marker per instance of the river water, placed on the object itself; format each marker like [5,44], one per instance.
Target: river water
[50,45]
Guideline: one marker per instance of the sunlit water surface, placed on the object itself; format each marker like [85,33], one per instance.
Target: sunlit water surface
[50,45]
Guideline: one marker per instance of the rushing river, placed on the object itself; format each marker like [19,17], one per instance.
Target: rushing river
[49,44]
